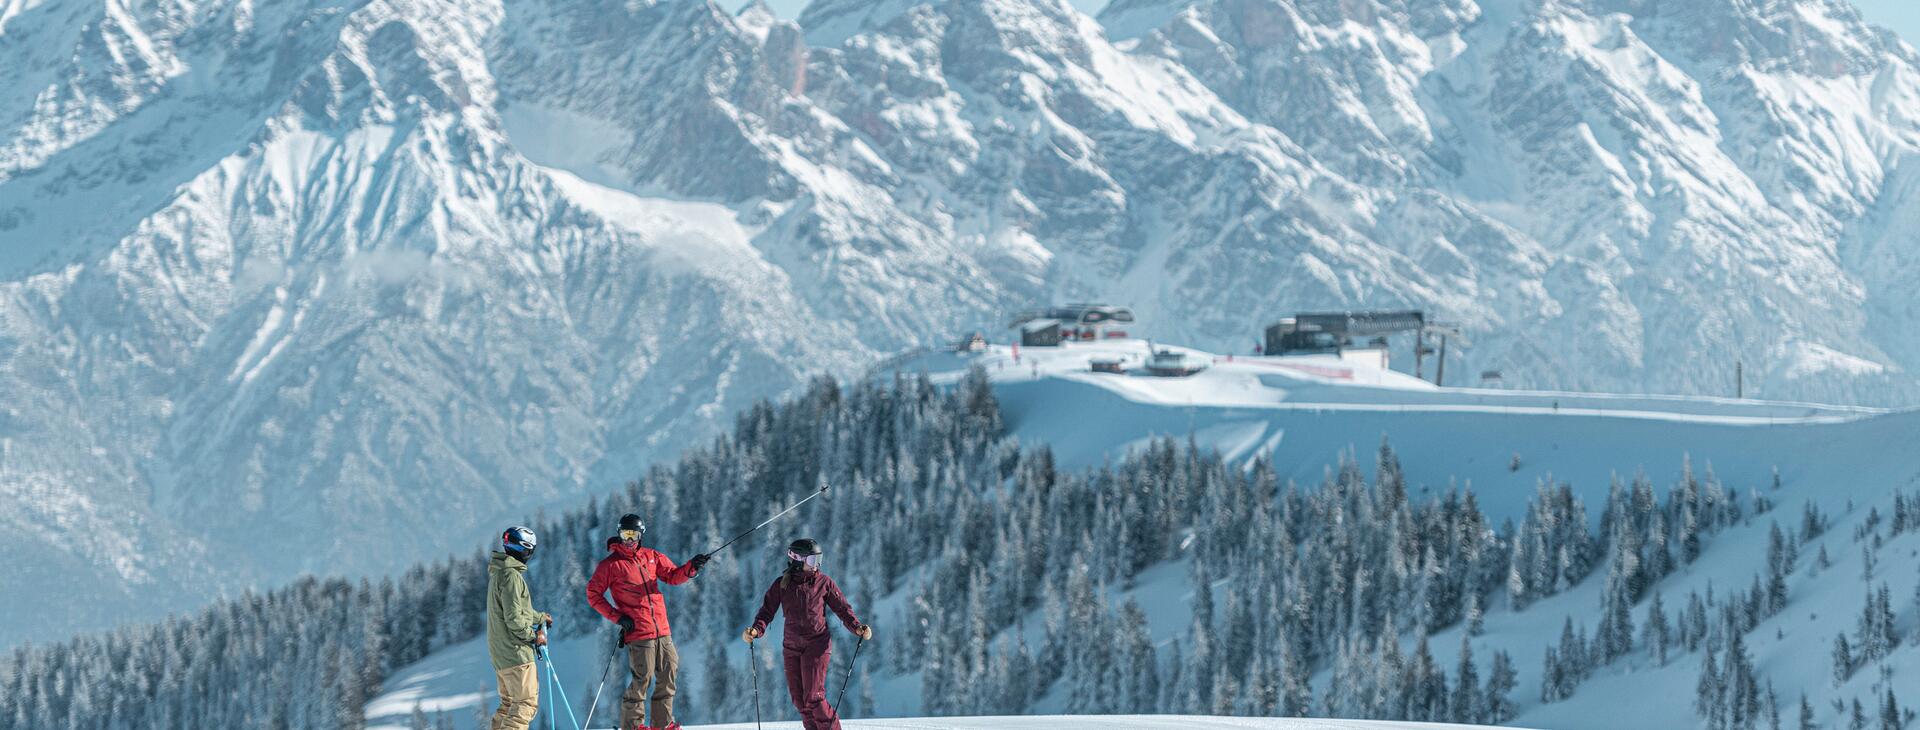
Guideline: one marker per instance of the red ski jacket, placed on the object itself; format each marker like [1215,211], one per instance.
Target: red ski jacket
[805,596]
[633,575]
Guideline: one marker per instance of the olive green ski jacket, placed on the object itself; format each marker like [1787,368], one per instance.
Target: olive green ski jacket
[510,614]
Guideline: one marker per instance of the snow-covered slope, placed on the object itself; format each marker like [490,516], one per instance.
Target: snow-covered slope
[1118,722]
[451,685]
[329,284]
[1305,412]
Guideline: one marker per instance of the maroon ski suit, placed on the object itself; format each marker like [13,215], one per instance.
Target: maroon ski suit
[806,595]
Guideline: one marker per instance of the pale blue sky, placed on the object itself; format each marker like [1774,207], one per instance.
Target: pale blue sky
[1901,15]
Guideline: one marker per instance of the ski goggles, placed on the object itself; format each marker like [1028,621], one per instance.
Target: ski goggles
[811,561]
[631,535]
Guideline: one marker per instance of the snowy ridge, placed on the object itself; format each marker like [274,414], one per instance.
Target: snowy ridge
[272,270]
[1306,411]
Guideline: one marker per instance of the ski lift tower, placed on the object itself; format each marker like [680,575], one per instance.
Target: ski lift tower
[1336,332]
[1446,332]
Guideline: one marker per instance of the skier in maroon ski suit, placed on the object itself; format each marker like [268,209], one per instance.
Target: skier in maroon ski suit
[805,594]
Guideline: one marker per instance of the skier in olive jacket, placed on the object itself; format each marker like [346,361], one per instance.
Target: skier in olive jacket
[805,594]
[514,629]
[633,575]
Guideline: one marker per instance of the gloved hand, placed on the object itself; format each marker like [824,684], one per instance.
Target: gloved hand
[865,633]
[699,562]
[626,627]
[750,634]
[548,618]
[540,638]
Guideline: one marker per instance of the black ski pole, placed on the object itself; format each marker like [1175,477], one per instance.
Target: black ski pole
[603,677]
[755,648]
[849,677]
[756,528]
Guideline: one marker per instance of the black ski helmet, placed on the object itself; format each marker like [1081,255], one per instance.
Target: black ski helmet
[805,546]
[803,555]
[519,542]
[631,523]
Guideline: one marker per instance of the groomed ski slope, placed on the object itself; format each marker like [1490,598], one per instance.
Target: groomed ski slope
[1306,411]
[454,680]
[1105,722]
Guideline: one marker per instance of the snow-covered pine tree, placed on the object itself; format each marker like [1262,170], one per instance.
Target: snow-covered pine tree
[1773,707]
[1779,564]
[1497,706]
[1465,705]
[1812,522]
[717,675]
[1426,685]
[1843,661]
[1693,627]
[1140,689]
[1709,693]
[1875,633]
[1614,637]
[1576,656]
[1389,683]
[1296,691]
[1690,504]
[1198,675]
[1174,688]
[1744,700]
[1654,633]
[1552,677]
[1261,695]
[980,632]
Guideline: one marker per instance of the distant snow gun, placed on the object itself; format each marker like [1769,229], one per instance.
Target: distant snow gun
[782,513]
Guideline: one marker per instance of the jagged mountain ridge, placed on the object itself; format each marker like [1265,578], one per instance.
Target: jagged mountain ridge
[326,285]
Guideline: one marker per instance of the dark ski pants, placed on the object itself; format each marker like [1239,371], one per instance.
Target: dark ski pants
[807,683]
[653,662]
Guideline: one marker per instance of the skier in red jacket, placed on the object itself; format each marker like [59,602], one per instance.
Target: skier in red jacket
[806,594]
[633,574]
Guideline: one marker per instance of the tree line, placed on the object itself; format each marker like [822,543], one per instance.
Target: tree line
[1004,567]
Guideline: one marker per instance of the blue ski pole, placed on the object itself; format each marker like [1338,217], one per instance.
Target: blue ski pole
[553,680]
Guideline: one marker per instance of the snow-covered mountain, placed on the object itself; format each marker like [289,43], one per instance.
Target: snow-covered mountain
[326,285]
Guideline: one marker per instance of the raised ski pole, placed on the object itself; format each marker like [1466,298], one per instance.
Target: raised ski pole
[755,660]
[603,678]
[849,678]
[756,528]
